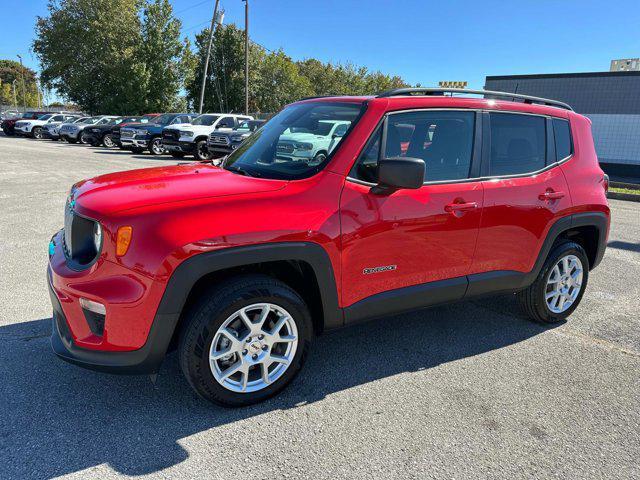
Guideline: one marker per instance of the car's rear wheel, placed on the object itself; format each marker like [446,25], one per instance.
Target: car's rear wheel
[202,151]
[155,146]
[8,132]
[83,137]
[245,341]
[37,133]
[107,141]
[559,286]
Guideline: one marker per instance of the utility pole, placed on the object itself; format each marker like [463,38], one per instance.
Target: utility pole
[24,97]
[246,57]
[15,98]
[206,62]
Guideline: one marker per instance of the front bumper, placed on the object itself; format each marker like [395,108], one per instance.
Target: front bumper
[22,130]
[69,134]
[181,147]
[134,340]
[50,135]
[218,148]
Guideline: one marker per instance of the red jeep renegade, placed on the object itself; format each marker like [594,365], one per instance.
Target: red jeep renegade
[417,198]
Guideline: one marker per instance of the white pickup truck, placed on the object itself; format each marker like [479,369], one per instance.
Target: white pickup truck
[191,138]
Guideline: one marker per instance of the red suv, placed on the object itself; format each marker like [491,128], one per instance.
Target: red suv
[424,198]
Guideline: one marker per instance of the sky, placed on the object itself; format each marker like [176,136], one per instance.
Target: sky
[421,41]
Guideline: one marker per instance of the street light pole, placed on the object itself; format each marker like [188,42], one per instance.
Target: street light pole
[246,57]
[206,62]
[24,98]
[15,98]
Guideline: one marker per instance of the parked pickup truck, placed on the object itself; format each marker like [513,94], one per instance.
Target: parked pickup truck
[181,140]
[223,143]
[100,135]
[313,143]
[115,131]
[139,138]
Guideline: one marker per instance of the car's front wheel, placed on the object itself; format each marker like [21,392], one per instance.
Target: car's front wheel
[155,146]
[559,286]
[202,152]
[107,141]
[245,341]
[36,133]
[83,137]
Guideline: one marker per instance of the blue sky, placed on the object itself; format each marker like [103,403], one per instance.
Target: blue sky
[422,41]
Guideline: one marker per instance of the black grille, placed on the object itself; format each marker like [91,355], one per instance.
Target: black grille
[285,148]
[78,243]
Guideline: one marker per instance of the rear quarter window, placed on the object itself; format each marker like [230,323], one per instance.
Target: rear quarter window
[562,135]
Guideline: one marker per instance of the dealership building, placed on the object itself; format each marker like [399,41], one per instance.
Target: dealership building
[610,99]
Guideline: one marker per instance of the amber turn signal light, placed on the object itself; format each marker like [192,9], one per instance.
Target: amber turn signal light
[124,240]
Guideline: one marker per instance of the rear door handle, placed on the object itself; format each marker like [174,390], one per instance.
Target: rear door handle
[460,207]
[551,195]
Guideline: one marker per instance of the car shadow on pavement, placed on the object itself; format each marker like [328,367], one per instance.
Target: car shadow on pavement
[59,419]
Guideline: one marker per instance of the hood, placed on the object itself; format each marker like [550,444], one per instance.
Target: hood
[121,191]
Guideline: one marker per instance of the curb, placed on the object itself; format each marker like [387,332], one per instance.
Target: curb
[630,186]
[630,197]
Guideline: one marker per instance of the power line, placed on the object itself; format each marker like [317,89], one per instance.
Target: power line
[192,6]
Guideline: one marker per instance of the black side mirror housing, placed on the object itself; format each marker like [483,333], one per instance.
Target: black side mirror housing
[399,173]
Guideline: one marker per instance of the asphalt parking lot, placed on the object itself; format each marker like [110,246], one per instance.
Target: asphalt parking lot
[472,390]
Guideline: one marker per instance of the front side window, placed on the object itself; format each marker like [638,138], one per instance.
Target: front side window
[562,134]
[296,143]
[518,143]
[443,139]
[226,122]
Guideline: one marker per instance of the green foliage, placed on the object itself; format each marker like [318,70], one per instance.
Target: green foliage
[274,78]
[25,81]
[112,56]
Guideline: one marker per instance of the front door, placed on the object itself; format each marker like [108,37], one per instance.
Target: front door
[410,238]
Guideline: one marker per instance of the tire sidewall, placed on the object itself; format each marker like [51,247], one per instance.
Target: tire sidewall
[198,354]
[37,133]
[156,141]
[199,146]
[557,253]
[107,141]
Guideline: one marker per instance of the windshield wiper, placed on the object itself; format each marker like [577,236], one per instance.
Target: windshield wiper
[242,171]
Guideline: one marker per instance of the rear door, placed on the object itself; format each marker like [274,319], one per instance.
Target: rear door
[525,194]
[413,237]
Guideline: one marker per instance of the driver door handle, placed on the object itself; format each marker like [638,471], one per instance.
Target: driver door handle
[460,207]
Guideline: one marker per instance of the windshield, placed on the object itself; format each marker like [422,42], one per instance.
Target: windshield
[79,120]
[91,120]
[294,144]
[205,119]
[103,121]
[244,127]
[164,119]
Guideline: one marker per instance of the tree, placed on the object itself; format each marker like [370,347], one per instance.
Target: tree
[161,51]
[279,83]
[112,56]
[11,71]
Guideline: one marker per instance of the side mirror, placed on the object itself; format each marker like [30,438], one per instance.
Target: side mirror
[399,172]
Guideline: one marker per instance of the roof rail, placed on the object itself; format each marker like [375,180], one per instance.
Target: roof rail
[441,91]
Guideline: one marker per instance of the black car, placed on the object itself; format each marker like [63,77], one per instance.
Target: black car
[101,135]
[223,143]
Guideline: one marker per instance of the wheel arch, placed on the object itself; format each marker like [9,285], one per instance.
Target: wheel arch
[303,266]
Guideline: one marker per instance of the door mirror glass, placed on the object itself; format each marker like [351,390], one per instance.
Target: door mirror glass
[399,172]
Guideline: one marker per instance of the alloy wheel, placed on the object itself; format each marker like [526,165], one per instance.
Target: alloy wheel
[253,347]
[564,284]
[108,141]
[156,146]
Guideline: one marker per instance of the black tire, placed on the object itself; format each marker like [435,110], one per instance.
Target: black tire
[82,138]
[107,141]
[155,146]
[211,311]
[177,154]
[319,158]
[533,299]
[36,133]
[8,132]
[202,151]
[71,140]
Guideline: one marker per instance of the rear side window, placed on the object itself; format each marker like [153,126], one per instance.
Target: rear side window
[443,139]
[562,134]
[518,143]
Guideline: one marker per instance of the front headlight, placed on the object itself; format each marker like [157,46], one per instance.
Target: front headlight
[97,236]
[186,133]
[303,146]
